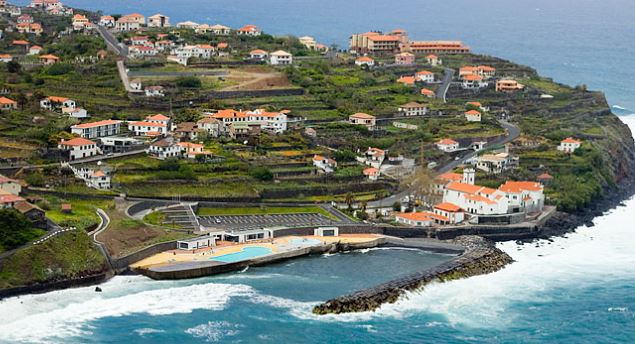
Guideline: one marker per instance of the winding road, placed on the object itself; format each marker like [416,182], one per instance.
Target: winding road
[442,90]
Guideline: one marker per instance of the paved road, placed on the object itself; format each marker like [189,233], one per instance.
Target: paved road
[442,90]
[112,42]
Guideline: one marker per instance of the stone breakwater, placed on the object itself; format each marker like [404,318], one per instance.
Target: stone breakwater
[480,257]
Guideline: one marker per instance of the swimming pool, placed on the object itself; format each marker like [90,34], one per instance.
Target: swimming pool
[246,253]
[304,242]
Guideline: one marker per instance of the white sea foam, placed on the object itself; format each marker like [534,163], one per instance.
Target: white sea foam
[143,331]
[33,318]
[214,331]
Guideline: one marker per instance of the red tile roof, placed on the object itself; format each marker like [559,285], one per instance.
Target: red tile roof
[78,141]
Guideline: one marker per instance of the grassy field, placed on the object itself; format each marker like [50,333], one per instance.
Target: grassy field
[83,215]
[67,255]
[264,211]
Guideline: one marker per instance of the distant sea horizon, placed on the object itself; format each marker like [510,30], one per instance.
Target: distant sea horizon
[572,41]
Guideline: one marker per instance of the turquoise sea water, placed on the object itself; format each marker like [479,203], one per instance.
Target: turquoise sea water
[577,289]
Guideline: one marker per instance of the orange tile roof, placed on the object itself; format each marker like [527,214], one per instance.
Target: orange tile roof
[158,117]
[56,99]
[449,207]
[78,141]
[318,158]
[420,216]
[20,42]
[371,171]
[99,173]
[96,124]
[472,113]
[257,52]
[450,176]
[427,92]
[432,56]
[222,45]
[5,100]
[464,188]
[447,142]
[424,72]
[479,198]
[571,140]
[147,124]
[364,59]
[518,187]
[383,38]
[10,199]
[362,115]
[408,80]
[474,103]
[49,57]
[545,176]
[190,145]
[472,77]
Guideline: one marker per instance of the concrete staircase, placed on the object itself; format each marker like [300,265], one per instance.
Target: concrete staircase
[182,215]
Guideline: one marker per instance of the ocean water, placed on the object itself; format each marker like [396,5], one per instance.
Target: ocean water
[575,289]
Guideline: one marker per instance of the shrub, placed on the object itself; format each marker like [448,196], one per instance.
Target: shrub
[15,229]
[188,82]
[59,69]
[261,173]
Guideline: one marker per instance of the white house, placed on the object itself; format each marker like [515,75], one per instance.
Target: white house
[35,50]
[78,148]
[249,30]
[324,164]
[473,81]
[76,112]
[413,109]
[496,163]
[280,57]
[360,118]
[136,84]
[220,30]
[448,145]
[569,145]
[210,125]
[145,128]
[365,61]
[54,102]
[433,60]
[160,119]
[424,76]
[6,58]
[139,51]
[371,173]
[374,157]
[276,122]
[192,150]
[473,116]
[258,54]
[154,91]
[127,24]
[93,130]
[107,21]
[165,148]
[418,219]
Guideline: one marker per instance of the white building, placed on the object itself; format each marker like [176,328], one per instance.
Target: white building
[473,116]
[107,21]
[76,112]
[360,118]
[93,130]
[276,122]
[53,103]
[448,145]
[473,81]
[154,91]
[10,185]
[220,30]
[258,54]
[127,24]
[136,85]
[434,60]
[365,61]
[424,76]
[371,173]
[280,57]
[569,145]
[145,128]
[249,30]
[210,125]
[496,163]
[324,164]
[140,51]
[165,148]
[413,109]
[79,148]
[373,157]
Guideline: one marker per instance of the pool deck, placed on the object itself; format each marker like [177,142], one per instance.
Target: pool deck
[204,256]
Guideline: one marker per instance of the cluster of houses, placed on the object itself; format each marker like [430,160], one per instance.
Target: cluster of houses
[463,200]
[422,76]
[10,190]
[475,77]
[53,7]
[279,57]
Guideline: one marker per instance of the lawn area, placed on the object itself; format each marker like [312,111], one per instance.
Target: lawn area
[83,215]
[263,211]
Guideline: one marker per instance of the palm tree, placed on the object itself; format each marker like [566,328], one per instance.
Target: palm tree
[350,199]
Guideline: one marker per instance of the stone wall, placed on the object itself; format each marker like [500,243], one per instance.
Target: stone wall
[121,264]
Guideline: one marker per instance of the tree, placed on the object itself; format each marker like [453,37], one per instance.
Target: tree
[14,67]
[261,173]
[189,82]
[349,199]
[421,183]
[396,206]
[15,229]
